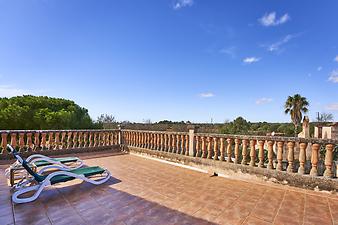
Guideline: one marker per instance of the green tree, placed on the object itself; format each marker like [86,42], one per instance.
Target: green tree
[325,117]
[41,112]
[295,106]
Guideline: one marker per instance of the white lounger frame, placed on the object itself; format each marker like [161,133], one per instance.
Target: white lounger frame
[24,186]
[55,165]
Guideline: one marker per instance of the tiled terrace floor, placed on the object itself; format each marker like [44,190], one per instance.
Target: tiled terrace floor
[144,191]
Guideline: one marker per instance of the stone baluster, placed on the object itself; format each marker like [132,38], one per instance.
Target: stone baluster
[140,136]
[252,153]
[328,160]
[4,143]
[237,143]
[125,137]
[314,159]
[187,145]
[261,153]
[150,140]
[85,139]
[183,150]
[113,137]
[103,139]
[21,141]
[145,144]
[198,147]
[209,156]
[153,141]
[36,141]
[116,138]
[43,141]
[57,140]
[215,149]
[146,140]
[63,139]
[173,143]
[50,140]
[270,154]
[29,142]
[178,146]
[135,137]
[291,157]
[280,149]
[13,140]
[74,139]
[129,138]
[244,151]
[162,148]
[95,139]
[108,136]
[229,149]
[90,139]
[142,139]
[166,142]
[302,157]
[204,150]
[158,142]
[222,149]
[69,140]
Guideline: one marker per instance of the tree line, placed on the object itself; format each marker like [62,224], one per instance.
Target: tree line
[42,112]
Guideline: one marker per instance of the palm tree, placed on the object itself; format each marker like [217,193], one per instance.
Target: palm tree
[295,106]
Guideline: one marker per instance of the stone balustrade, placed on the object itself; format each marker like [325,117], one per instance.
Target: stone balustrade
[174,142]
[43,140]
[292,155]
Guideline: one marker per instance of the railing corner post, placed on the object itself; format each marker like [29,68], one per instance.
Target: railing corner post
[120,141]
[192,131]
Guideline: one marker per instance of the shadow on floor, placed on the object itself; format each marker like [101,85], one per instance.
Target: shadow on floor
[84,203]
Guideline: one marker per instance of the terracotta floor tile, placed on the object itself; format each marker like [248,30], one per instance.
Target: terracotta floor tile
[144,191]
[255,221]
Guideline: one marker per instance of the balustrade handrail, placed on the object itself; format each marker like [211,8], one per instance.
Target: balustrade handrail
[270,138]
[156,132]
[68,130]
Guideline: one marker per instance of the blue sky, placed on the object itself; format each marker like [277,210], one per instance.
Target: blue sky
[173,59]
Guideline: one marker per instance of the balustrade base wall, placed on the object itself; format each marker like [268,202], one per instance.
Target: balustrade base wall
[238,171]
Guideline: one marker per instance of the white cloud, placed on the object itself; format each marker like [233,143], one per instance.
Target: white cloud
[319,68]
[10,91]
[249,60]
[336,58]
[334,76]
[276,46]
[270,19]
[182,3]
[262,101]
[206,95]
[333,107]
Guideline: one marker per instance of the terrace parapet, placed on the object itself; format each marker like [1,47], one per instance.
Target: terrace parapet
[287,154]
[35,141]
